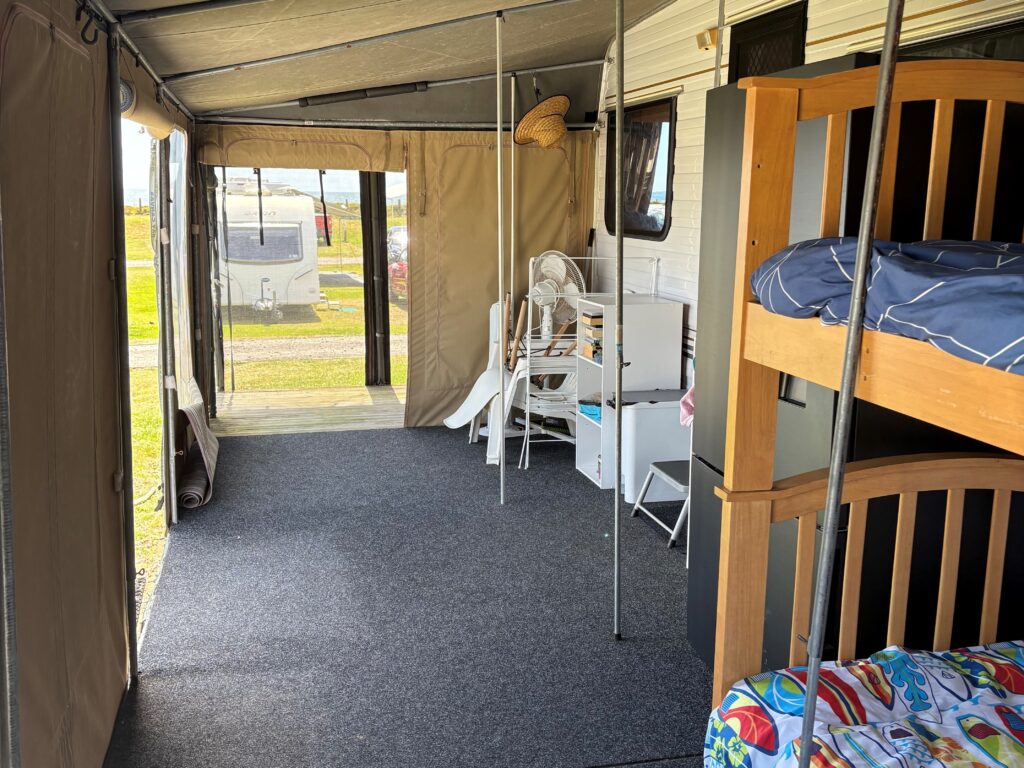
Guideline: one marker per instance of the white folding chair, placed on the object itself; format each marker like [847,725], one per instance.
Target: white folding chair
[677,475]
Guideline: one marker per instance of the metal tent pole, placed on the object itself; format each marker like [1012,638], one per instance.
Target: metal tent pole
[10,740]
[119,274]
[370,93]
[851,361]
[435,125]
[227,269]
[166,330]
[512,192]
[619,126]
[499,129]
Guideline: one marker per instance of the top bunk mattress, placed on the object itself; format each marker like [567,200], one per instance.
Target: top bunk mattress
[966,298]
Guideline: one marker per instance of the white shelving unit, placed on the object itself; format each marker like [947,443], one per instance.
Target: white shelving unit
[652,345]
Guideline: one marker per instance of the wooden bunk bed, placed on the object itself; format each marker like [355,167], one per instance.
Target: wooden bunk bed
[898,373]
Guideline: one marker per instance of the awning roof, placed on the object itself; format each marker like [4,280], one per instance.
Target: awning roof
[180,47]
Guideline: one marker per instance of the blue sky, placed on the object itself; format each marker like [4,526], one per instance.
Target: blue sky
[135,156]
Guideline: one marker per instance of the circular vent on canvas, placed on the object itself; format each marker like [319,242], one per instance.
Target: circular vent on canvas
[127,96]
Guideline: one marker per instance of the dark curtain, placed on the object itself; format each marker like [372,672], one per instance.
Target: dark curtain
[639,151]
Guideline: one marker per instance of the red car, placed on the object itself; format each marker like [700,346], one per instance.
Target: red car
[398,277]
[398,262]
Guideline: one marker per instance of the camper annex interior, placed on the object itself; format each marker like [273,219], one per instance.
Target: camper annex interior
[591,383]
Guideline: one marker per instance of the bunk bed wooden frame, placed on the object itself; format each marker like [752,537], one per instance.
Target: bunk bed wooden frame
[898,373]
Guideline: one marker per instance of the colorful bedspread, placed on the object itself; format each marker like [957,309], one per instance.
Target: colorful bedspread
[966,298]
[899,708]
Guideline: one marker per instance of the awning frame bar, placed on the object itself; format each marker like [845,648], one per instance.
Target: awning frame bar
[374,93]
[382,125]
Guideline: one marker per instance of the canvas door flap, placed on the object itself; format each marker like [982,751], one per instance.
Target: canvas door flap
[453,253]
[69,570]
[263,146]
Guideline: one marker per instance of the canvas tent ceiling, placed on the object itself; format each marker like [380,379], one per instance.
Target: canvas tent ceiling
[550,33]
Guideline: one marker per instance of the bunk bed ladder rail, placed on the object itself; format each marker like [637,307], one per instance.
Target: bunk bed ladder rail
[801,497]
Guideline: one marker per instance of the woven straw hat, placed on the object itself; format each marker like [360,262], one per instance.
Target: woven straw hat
[545,123]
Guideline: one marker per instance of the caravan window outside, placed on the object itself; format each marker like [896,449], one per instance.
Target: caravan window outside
[647,150]
[281,243]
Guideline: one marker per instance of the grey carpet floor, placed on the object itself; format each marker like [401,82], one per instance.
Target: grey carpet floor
[361,599]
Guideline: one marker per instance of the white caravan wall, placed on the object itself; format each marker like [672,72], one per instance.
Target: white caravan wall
[662,57]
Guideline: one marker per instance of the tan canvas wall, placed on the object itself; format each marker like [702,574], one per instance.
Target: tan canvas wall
[69,570]
[452,188]
[453,275]
[261,146]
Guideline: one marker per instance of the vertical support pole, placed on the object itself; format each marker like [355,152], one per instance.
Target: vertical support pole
[620,68]
[719,43]
[499,151]
[512,192]
[10,746]
[121,318]
[227,268]
[166,325]
[259,200]
[851,362]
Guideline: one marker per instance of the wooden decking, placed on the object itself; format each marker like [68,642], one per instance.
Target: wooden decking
[315,410]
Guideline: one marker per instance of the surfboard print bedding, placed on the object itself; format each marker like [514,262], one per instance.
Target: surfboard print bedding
[896,709]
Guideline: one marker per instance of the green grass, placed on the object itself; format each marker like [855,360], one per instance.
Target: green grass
[137,241]
[310,374]
[150,529]
[299,322]
[142,305]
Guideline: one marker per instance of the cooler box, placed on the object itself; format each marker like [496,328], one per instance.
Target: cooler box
[651,432]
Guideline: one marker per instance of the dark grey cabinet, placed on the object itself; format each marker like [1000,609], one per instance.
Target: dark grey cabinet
[806,414]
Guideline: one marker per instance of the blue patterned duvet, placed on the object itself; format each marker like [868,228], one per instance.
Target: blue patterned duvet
[966,298]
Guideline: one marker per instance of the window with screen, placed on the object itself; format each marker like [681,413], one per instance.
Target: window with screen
[648,144]
[768,43]
[281,243]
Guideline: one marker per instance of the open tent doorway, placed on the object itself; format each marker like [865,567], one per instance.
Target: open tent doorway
[309,293]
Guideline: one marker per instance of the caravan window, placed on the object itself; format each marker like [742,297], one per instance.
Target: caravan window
[647,150]
[281,244]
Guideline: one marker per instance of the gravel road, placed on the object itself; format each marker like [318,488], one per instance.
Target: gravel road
[144,354]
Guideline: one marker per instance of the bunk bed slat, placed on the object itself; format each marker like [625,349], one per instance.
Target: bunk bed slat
[887,189]
[807,527]
[994,565]
[901,568]
[991,143]
[852,567]
[950,567]
[938,169]
[898,373]
[835,160]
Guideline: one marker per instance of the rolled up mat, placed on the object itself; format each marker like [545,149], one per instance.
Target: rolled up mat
[194,482]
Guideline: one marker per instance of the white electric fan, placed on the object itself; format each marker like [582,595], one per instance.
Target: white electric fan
[555,286]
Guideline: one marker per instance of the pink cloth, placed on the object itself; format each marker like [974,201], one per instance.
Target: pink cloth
[686,408]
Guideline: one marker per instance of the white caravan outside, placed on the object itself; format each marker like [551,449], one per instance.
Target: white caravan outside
[280,272]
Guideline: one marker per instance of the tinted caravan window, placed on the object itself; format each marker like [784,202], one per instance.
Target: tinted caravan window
[647,149]
[768,43]
[281,243]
